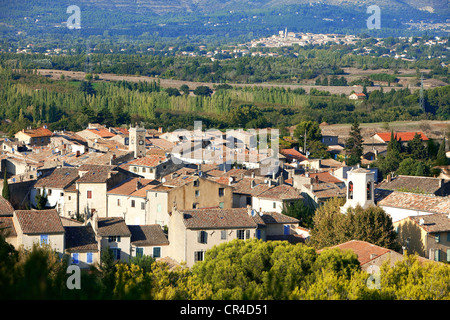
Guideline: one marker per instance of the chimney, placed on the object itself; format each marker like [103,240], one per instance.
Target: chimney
[138,184]
[249,210]
[388,178]
[373,255]
[253,184]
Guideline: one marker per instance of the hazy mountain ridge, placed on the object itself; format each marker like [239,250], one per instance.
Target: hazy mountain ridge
[170,6]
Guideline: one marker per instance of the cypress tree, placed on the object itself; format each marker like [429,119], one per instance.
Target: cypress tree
[441,158]
[5,192]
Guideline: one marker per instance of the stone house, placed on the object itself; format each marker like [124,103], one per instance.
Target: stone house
[148,240]
[186,192]
[128,200]
[42,227]
[193,232]
[427,235]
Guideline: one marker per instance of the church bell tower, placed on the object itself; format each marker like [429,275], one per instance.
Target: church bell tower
[360,189]
[137,141]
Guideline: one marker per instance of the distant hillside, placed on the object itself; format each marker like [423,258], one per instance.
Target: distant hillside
[215,18]
[170,6]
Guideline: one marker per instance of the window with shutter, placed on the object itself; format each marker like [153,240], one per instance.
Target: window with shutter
[198,256]
[437,255]
[202,236]
[89,257]
[139,252]
[75,258]
[157,252]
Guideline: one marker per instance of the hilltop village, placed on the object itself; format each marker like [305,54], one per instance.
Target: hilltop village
[138,192]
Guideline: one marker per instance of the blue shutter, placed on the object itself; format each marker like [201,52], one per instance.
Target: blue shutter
[89,257]
[44,239]
[75,258]
[286,230]
[258,234]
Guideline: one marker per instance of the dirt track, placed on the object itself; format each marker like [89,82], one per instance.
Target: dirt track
[165,83]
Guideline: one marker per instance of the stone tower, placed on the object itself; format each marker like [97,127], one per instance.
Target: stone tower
[360,189]
[137,141]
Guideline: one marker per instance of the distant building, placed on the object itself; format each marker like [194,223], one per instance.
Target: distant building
[404,137]
[357,96]
[34,137]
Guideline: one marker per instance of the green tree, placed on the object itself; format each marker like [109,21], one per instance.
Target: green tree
[5,192]
[41,200]
[441,158]
[299,210]
[416,148]
[306,132]
[353,145]
[203,91]
[331,227]
[185,89]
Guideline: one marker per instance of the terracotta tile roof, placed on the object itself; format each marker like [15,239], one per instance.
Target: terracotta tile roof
[113,227]
[95,173]
[325,177]
[6,209]
[276,217]
[80,239]
[130,187]
[412,201]
[39,221]
[59,178]
[148,235]
[101,132]
[244,186]
[218,218]
[432,223]
[416,184]
[148,161]
[326,190]
[404,136]
[180,180]
[364,250]
[7,227]
[281,192]
[161,144]
[121,130]
[292,154]
[38,133]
